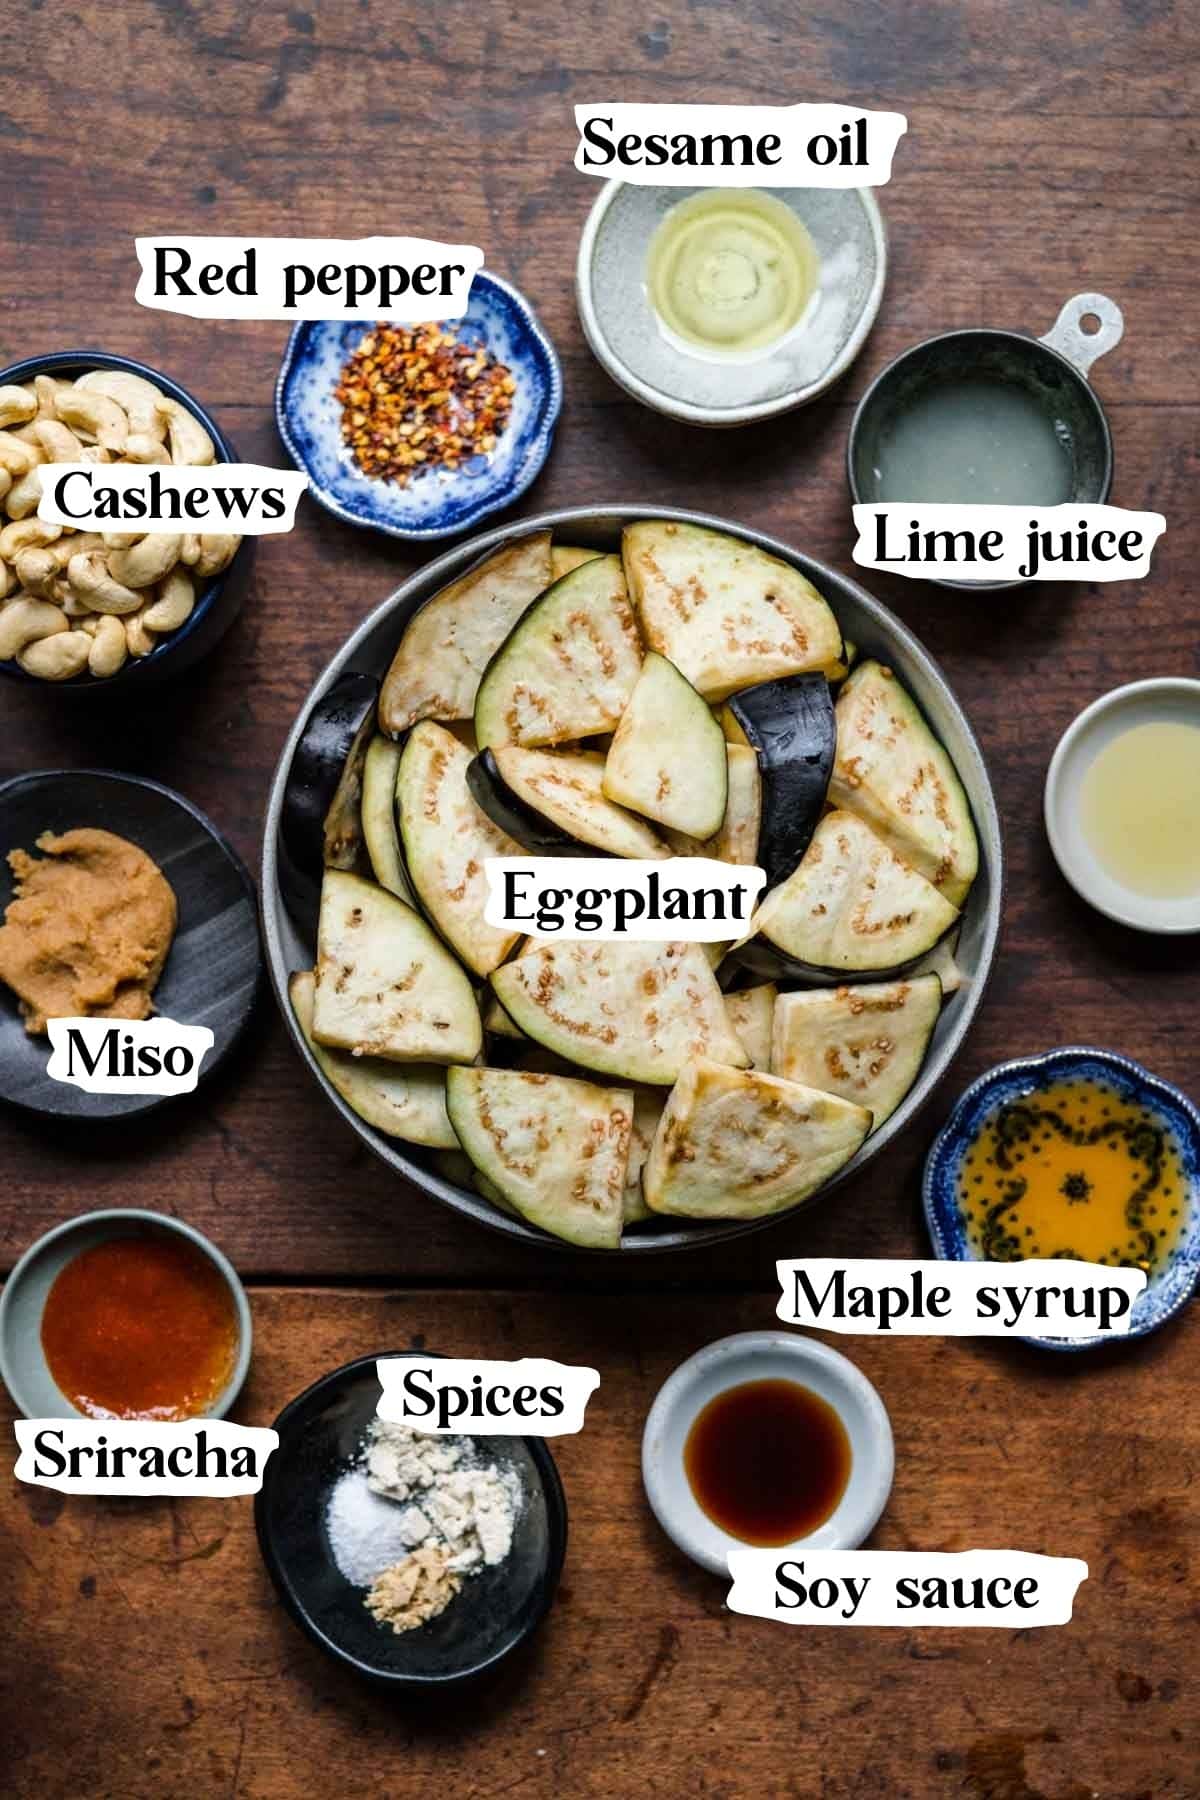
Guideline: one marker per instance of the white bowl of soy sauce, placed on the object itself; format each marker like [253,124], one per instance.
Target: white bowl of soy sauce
[990,417]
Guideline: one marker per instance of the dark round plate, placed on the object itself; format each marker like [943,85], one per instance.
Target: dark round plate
[213,970]
[320,1433]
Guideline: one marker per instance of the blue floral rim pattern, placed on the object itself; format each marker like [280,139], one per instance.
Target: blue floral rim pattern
[1164,1293]
[436,503]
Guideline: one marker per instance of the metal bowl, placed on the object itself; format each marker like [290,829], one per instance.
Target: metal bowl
[1052,370]
[875,630]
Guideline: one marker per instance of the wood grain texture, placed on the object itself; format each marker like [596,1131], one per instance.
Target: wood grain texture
[1050,150]
[1046,153]
[162,1664]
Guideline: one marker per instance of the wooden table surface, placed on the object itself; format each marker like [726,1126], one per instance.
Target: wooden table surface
[1050,150]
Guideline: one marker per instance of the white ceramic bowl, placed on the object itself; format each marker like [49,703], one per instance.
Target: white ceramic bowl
[1165,698]
[620,324]
[765,1356]
[23,1361]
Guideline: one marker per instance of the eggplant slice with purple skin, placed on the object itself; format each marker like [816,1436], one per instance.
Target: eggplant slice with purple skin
[790,726]
[553,804]
[320,824]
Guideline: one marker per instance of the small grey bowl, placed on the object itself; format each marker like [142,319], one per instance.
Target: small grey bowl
[610,287]
[22,1361]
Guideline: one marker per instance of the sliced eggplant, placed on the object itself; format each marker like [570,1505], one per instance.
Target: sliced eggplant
[555,804]
[737,1144]
[447,840]
[667,757]
[568,667]
[648,1106]
[402,1102]
[752,1015]
[853,907]
[942,961]
[639,1011]
[448,644]
[380,769]
[385,985]
[790,726]
[865,1043]
[565,557]
[320,824]
[497,1023]
[555,1148]
[725,612]
[737,841]
[849,658]
[731,725]
[892,772]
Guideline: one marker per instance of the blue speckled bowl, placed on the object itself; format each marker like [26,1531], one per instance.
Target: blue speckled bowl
[1166,1293]
[435,504]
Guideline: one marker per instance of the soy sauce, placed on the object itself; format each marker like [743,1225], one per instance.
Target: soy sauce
[768,1461]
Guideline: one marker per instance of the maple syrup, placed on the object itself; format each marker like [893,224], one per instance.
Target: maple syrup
[767,1461]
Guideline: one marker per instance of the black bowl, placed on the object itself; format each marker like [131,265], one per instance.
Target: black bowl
[498,1609]
[214,967]
[217,605]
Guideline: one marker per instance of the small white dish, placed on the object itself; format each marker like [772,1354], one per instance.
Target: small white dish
[1166,698]
[625,335]
[765,1356]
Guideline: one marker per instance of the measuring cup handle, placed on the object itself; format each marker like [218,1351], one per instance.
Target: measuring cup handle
[1081,348]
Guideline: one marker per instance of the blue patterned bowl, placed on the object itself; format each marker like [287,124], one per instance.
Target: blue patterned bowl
[435,503]
[1165,1293]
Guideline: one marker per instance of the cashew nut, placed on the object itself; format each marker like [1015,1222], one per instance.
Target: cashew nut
[147,561]
[35,568]
[46,390]
[94,416]
[18,456]
[95,453]
[176,598]
[109,646]
[217,551]
[23,619]
[6,576]
[121,540]
[189,548]
[24,532]
[137,397]
[56,658]
[17,405]
[76,544]
[89,578]
[58,441]
[139,641]
[140,447]
[6,481]
[190,443]
[23,496]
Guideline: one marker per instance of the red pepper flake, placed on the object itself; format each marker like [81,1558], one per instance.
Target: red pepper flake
[418,397]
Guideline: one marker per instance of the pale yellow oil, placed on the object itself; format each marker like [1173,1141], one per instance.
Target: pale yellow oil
[731,271]
[1140,809]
